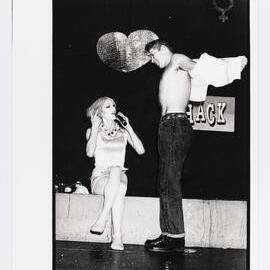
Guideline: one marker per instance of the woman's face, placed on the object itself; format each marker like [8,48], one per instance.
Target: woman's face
[108,109]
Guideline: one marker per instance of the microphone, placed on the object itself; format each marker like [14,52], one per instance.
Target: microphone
[120,120]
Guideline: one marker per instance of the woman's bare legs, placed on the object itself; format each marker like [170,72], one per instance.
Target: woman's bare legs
[117,214]
[110,191]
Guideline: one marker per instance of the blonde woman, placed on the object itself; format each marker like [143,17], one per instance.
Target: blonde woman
[106,142]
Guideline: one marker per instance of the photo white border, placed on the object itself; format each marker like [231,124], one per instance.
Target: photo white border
[260,134]
[32,134]
[5,136]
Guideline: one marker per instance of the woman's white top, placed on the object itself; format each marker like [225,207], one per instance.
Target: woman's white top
[110,151]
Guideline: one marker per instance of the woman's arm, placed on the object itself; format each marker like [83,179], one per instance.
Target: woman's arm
[91,136]
[135,142]
[132,137]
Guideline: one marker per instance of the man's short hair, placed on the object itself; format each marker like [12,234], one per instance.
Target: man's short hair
[156,44]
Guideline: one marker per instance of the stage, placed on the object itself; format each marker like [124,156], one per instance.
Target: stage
[81,255]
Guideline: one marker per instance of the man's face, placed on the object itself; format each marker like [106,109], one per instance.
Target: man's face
[159,57]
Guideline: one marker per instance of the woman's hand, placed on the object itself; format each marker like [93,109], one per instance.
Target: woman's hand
[132,138]
[91,135]
[125,125]
[95,120]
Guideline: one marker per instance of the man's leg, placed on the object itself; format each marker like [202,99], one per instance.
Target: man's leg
[162,136]
[174,142]
[181,141]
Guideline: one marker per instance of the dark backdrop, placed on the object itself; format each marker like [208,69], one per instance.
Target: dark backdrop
[218,163]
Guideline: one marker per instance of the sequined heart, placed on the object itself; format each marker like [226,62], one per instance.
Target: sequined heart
[123,53]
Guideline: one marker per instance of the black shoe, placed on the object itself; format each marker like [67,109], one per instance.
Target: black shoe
[168,244]
[96,232]
[154,242]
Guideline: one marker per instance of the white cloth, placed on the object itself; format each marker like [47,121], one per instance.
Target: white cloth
[210,70]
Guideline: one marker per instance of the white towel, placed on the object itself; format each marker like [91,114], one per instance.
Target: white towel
[210,70]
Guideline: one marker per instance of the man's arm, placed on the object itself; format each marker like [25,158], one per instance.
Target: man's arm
[183,62]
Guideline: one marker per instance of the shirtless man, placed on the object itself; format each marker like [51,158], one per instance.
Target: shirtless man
[174,140]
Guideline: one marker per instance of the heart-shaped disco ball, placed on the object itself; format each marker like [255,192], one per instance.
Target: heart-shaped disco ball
[123,53]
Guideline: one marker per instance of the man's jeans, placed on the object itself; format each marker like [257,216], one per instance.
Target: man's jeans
[175,135]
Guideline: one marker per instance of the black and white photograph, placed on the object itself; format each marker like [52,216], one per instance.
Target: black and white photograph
[134,135]
[151,134]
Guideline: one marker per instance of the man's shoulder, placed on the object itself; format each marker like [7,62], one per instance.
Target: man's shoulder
[182,62]
[179,57]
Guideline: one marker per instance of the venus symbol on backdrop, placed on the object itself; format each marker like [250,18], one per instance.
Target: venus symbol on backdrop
[223,6]
[123,53]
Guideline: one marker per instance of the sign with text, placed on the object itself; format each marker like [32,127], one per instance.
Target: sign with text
[215,114]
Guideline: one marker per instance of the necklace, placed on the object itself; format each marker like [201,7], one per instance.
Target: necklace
[110,132]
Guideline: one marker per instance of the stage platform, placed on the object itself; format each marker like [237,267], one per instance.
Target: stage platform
[208,223]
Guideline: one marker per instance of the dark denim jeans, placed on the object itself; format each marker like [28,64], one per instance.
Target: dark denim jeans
[175,136]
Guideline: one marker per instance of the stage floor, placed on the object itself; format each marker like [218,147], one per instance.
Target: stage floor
[84,255]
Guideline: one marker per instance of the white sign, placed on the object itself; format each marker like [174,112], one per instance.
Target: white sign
[215,114]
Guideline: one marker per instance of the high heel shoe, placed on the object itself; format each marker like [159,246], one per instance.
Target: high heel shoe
[117,243]
[96,231]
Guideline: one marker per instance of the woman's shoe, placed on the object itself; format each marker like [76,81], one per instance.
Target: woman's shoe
[117,243]
[96,230]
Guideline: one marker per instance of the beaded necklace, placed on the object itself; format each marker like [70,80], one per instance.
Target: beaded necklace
[110,132]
